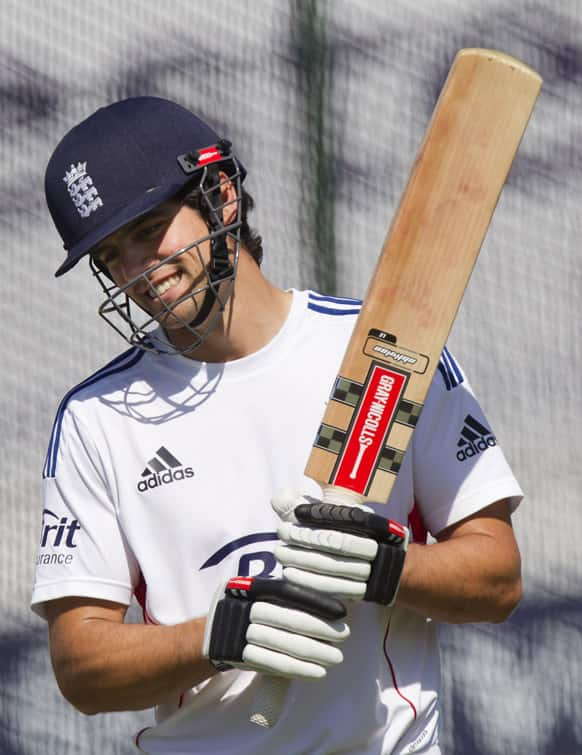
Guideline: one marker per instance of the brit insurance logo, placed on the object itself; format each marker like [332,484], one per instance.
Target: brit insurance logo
[162,469]
[475,438]
[58,534]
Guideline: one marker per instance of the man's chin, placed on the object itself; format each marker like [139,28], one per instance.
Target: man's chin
[173,319]
[173,324]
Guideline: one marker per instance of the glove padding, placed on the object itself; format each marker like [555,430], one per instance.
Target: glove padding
[274,626]
[347,551]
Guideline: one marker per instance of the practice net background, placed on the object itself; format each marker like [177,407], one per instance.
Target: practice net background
[326,103]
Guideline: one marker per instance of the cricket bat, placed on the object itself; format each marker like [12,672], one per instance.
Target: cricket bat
[417,287]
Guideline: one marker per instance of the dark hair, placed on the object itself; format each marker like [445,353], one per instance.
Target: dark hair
[250,239]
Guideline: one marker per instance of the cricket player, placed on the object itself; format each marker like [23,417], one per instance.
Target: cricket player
[167,469]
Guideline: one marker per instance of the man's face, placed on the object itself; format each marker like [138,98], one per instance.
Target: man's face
[140,246]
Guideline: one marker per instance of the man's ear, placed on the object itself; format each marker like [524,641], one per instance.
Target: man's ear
[229,198]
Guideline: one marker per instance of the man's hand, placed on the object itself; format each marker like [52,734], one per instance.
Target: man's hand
[347,551]
[274,626]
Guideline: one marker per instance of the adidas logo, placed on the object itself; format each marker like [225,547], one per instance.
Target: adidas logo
[475,438]
[163,469]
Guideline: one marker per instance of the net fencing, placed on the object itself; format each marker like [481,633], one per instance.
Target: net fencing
[326,103]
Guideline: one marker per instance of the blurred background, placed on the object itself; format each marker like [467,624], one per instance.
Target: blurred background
[326,103]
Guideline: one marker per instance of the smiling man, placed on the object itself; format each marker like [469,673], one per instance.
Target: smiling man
[171,503]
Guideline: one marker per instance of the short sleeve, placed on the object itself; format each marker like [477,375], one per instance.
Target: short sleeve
[458,466]
[82,550]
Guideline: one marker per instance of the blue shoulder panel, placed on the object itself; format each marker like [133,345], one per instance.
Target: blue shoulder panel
[450,370]
[119,364]
[333,305]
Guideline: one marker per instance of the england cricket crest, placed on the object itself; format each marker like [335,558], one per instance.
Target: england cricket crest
[82,190]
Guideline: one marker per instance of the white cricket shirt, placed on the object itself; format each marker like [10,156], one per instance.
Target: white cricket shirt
[158,480]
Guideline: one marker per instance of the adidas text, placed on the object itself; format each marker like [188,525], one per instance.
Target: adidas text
[164,478]
[476,447]
[396,356]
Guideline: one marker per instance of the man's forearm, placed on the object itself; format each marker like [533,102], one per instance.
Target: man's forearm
[120,667]
[464,579]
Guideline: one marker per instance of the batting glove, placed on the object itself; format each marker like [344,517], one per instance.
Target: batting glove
[275,627]
[346,551]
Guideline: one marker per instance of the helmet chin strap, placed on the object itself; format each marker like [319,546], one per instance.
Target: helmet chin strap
[220,266]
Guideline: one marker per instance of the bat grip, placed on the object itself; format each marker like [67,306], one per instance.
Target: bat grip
[341,496]
[269,701]
[272,690]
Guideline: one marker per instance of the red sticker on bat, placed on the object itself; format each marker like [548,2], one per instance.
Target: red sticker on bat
[371,422]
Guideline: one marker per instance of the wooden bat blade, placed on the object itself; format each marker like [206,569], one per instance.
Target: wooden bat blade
[421,275]
[422,272]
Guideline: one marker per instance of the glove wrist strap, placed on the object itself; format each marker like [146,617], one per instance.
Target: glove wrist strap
[231,620]
[385,575]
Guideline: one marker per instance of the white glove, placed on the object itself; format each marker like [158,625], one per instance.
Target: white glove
[346,551]
[275,627]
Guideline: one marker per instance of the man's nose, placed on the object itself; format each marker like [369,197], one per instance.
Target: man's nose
[136,260]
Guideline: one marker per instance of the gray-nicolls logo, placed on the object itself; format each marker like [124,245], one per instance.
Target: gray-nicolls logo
[474,439]
[162,469]
[82,190]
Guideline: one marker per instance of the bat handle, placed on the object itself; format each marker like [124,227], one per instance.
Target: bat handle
[269,701]
[341,496]
[272,690]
